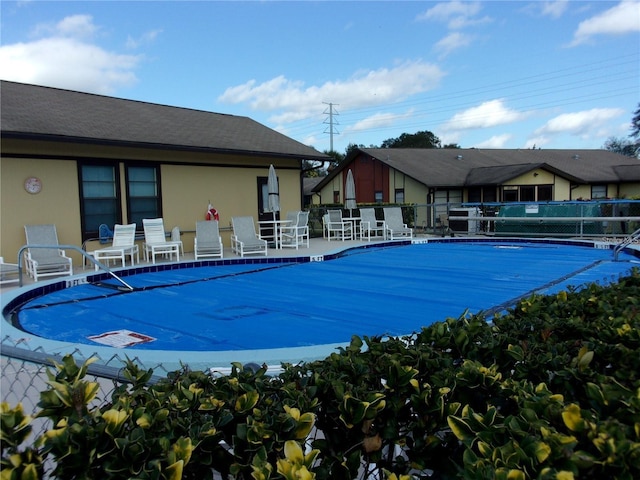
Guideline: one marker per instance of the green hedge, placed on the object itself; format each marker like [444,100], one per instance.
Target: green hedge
[548,390]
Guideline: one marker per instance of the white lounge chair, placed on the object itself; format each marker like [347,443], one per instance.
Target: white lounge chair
[370,226]
[8,272]
[337,227]
[123,245]
[175,237]
[296,233]
[207,242]
[394,224]
[45,259]
[245,240]
[155,240]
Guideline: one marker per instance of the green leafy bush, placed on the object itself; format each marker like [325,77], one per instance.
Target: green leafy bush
[548,389]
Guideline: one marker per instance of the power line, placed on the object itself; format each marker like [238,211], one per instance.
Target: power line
[619,73]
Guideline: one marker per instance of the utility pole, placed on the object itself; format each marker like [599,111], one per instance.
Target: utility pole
[331,123]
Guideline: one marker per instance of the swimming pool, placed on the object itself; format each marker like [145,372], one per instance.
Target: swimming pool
[207,314]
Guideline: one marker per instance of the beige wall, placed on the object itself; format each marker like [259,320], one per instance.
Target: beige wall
[562,190]
[187,185]
[326,193]
[186,191]
[581,192]
[561,186]
[57,202]
[414,191]
[630,190]
[534,177]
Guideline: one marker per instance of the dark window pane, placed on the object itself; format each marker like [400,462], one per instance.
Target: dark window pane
[475,195]
[99,202]
[510,195]
[528,193]
[144,199]
[545,193]
[489,194]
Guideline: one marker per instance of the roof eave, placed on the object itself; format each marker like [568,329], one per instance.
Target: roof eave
[154,146]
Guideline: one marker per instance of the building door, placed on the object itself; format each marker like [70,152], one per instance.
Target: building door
[263,207]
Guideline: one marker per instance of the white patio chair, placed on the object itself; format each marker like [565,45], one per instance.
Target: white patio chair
[303,229]
[337,227]
[296,233]
[123,245]
[288,236]
[245,240]
[394,224]
[47,261]
[155,240]
[370,226]
[207,242]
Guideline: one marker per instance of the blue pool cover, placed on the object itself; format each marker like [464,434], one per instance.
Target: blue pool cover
[375,291]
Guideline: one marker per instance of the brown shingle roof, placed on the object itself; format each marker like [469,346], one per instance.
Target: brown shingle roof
[32,111]
[454,167]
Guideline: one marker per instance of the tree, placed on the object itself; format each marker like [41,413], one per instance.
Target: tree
[635,132]
[313,168]
[352,146]
[620,145]
[423,139]
[635,124]
[624,146]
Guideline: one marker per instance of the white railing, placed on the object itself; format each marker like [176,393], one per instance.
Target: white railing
[635,236]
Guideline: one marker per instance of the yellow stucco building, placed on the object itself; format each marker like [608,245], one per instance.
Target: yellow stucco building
[79,160]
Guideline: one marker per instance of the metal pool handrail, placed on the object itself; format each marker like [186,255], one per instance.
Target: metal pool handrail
[627,241]
[69,247]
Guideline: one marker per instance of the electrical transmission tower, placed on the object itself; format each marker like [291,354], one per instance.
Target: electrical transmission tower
[332,122]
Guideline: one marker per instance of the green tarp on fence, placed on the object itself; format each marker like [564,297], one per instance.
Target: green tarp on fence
[548,226]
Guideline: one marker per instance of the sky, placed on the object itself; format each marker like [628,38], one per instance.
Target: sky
[498,74]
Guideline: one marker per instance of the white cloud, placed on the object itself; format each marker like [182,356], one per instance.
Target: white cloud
[449,138]
[73,26]
[537,142]
[452,42]
[554,9]
[456,14]
[497,141]
[581,123]
[144,39]
[65,60]
[295,101]
[67,63]
[485,115]
[77,26]
[622,19]
[383,119]
[446,11]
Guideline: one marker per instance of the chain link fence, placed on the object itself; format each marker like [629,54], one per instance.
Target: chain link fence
[24,376]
